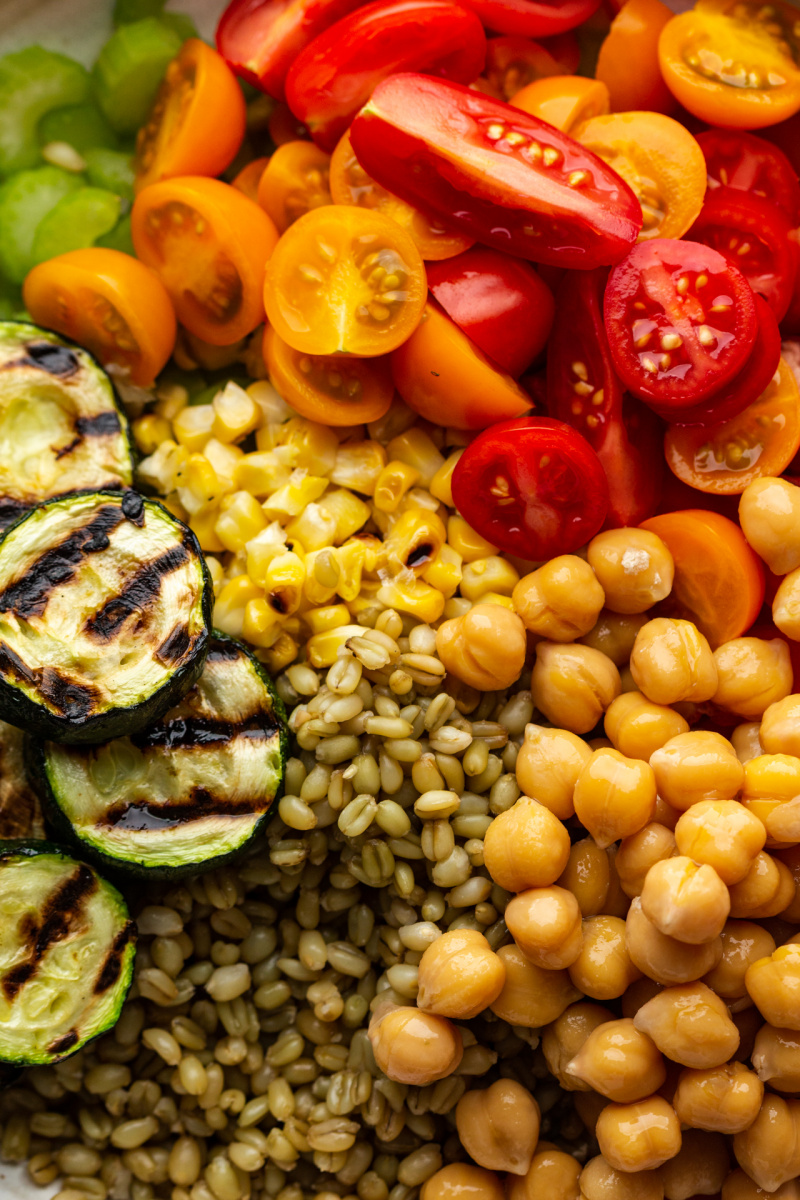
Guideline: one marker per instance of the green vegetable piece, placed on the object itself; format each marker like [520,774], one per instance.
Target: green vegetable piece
[25,199]
[82,126]
[32,82]
[181,23]
[110,169]
[10,299]
[128,11]
[130,68]
[119,238]
[76,221]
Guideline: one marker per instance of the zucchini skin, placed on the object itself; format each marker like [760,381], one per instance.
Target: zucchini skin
[18,709]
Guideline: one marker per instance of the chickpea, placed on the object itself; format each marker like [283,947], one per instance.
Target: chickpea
[774,986]
[525,847]
[639,1136]
[638,728]
[614,796]
[587,875]
[746,739]
[690,1024]
[685,900]
[462,1181]
[752,673]
[766,890]
[601,1181]
[531,996]
[665,814]
[770,781]
[614,634]
[414,1047]
[786,606]
[696,766]
[548,765]
[619,1062]
[639,852]
[743,943]
[699,1168]
[723,834]
[634,567]
[553,1175]
[672,661]
[725,1098]
[638,994]
[603,969]
[739,1186]
[459,975]
[769,1150]
[780,727]
[561,600]
[791,860]
[485,648]
[563,1039]
[617,903]
[546,925]
[783,824]
[499,1126]
[664,958]
[573,685]
[769,513]
[748,1021]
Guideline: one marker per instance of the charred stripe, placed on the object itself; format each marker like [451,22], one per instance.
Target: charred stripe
[60,912]
[110,971]
[143,817]
[59,361]
[136,595]
[175,646]
[10,510]
[223,652]
[64,1043]
[189,732]
[104,424]
[73,700]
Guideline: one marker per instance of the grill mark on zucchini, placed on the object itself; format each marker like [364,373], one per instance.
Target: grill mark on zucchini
[65,1043]
[103,424]
[175,646]
[136,594]
[188,732]
[73,700]
[56,360]
[110,971]
[133,507]
[59,913]
[223,651]
[142,816]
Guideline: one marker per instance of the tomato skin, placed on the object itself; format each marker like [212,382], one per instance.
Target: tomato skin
[563,100]
[628,60]
[741,160]
[675,495]
[514,62]
[532,486]
[331,79]
[499,302]
[303,390]
[294,181]
[443,148]
[249,177]
[260,39]
[533,18]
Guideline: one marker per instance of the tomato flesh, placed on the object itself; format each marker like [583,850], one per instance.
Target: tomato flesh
[333,391]
[742,160]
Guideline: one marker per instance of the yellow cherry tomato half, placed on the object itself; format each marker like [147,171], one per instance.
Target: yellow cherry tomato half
[345,281]
[108,302]
[249,177]
[563,100]
[294,181]
[659,159]
[628,60]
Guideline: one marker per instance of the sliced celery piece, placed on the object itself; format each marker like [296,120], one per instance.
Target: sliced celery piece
[81,126]
[110,169]
[25,200]
[32,82]
[119,238]
[76,222]
[129,69]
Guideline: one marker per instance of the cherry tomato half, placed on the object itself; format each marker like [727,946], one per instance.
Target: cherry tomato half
[741,160]
[208,244]
[628,60]
[197,121]
[681,321]
[499,302]
[513,62]
[345,281]
[294,181]
[563,100]
[446,378]
[719,580]
[333,391]
[533,486]
[533,18]
[337,73]
[249,177]
[108,302]
[495,173]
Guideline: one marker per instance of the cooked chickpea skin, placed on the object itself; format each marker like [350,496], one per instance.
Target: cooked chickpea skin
[672,661]
[531,996]
[560,600]
[639,1136]
[783,823]
[563,1039]
[725,1099]
[723,834]
[638,994]
[699,1168]
[637,727]
[548,765]
[746,740]
[553,1175]
[780,727]
[587,875]
[767,888]
[770,782]
[459,975]
[769,514]
[665,814]
[499,1126]
[664,958]
[786,606]
[776,1058]
[414,1047]
[485,648]
[603,969]
[752,673]
[743,943]
[617,903]
[614,796]
[686,900]
[600,1181]
[546,925]
[791,860]
[619,1062]
[639,852]
[774,986]
[769,1149]
[573,685]
[690,1025]
[696,766]
[462,1181]
[614,634]
[739,1186]
[634,567]
[525,847]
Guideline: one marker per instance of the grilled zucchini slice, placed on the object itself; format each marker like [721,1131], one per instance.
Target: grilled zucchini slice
[105,611]
[61,428]
[187,792]
[67,947]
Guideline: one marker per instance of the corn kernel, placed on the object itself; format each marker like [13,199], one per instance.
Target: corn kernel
[314,529]
[198,485]
[261,625]
[240,519]
[444,573]
[215,570]
[224,459]
[348,511]
[150,431]
[441,486]
[414,597]
[322,576]
[350,560]
[497,598]
[172,504]
[231,603]
[170,399]
[290,500]
[235,414]
[260,473]
[261,550]
[469,544]
[323,648]
[358,466]
[393,482]
[274,409]
[193,425]
[413,541]
[159,469]
[492,574]
[321,620]
[310,446]
[416,448]
[281,654]
[283,583]
[203,526]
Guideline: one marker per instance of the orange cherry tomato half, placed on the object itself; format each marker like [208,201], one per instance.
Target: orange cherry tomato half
[249,177]
[209,245]
[659,159]
[345,281]
[719,580]
[108,302]
[197,122]
[761,440]
[350,184]
[294,181]
[732,63]
[628,60]
[333,391]
[563,100]
[444,377]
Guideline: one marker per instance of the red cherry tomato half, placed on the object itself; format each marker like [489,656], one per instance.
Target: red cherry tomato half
[494,172]
[513,62]
[532,486]
[741,160]
[681,321]
[533,18]
[337,73]
[756,236]
[260,39]
[499,301]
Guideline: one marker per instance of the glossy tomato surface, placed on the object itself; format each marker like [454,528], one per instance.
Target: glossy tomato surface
[745,161]
[504,177]
[533,18]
